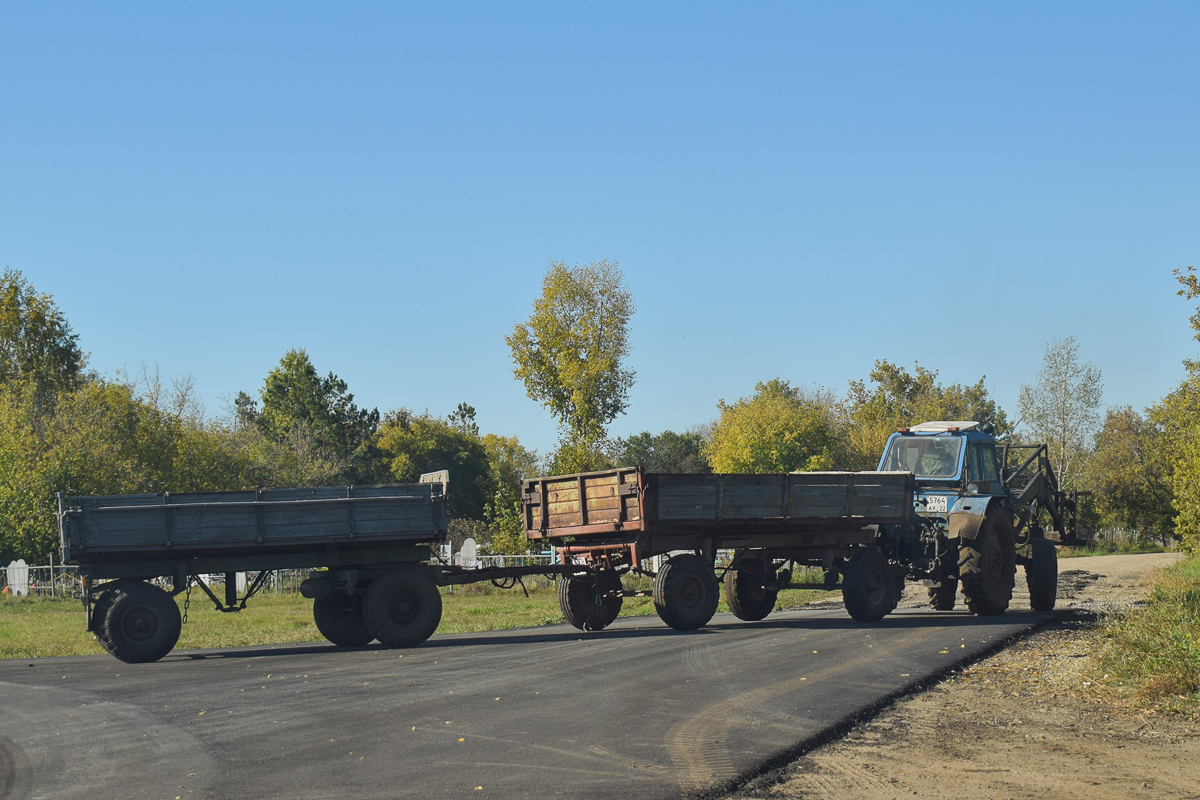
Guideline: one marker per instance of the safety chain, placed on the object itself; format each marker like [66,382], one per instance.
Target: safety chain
[187,599]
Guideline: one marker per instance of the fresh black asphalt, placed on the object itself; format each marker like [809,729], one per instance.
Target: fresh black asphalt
[635,711]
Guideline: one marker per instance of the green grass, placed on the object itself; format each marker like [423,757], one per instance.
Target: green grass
[1110,549]
[40,627]
[1152,654]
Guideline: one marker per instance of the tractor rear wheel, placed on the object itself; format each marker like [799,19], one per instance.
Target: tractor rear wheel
[987,566]
[941,598]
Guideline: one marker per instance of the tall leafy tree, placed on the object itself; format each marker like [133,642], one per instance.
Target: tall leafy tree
[571,353]
[315,415]
[1131,474]
[1180,416]
[37,344]
[777,429]
[1062,408]
[509,463]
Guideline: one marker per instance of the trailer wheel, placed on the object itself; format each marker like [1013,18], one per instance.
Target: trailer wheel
[987,567]
[339,618]
[685,592]
[869,585]
[99,614]
[590,603]
[142,623]
[746,596]
[941,598]
[403,607]
[1041,575]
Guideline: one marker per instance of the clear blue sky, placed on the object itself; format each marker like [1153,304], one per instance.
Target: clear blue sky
[792,189]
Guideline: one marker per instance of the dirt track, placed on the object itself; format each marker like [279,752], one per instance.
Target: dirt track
[1023,724]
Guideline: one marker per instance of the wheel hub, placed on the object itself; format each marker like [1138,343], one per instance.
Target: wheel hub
[140,624]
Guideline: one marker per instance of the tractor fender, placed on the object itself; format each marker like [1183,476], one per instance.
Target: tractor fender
[967,515]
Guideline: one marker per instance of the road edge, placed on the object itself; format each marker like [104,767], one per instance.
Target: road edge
[771,770]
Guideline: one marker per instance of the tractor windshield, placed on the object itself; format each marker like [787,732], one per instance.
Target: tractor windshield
[924,456]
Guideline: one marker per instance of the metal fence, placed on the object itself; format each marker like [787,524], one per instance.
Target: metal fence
[55,580]
[60,580]
[63,581]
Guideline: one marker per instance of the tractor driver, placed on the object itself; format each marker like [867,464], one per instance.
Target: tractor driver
[936,461]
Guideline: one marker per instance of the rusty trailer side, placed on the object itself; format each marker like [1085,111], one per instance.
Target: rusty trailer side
[604,504]
[618,505]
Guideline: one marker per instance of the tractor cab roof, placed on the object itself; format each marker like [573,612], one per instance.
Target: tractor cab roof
[946,426]
[968,428]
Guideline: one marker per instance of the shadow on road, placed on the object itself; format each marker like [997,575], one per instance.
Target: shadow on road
[622,631]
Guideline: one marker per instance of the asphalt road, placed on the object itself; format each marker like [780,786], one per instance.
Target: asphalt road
[635,711]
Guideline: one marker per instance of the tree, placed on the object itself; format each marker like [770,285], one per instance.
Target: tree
[412,444]
[509,463]
[778,429]
[36,341]
[1180,416]
[316,417]
[1131,475]
[1062,408]
[107,437]
[570,355]
[666,452]
[899,399]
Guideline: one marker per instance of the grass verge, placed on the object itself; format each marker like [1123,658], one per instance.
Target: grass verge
[34,627]
[1151,654]
[1110,549]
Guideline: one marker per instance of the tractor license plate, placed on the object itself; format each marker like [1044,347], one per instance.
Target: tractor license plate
[937,503]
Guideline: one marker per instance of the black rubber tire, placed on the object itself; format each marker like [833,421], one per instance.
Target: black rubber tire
[100,610]
[685,592]
[403,607]
[339,618]
[901,585]
[987,566]
[142,623]
[1041,575]
[746,596]
[869,585]
[942,598]
[591,602]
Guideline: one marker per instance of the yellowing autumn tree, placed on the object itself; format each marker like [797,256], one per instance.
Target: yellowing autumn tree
[777,429]
[571,353]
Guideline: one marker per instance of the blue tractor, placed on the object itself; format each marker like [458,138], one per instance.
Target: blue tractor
[981,506]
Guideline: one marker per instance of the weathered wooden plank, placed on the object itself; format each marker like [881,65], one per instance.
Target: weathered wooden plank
[554,509]
[604,502]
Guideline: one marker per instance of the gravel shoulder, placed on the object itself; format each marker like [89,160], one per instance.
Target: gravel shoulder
[1024,723]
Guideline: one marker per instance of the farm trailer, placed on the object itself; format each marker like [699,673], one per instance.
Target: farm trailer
[371,547]
[946,507]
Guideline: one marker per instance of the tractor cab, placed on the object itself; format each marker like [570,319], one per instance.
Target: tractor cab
[950,459]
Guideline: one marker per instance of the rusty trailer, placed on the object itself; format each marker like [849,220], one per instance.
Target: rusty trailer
[615,521]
